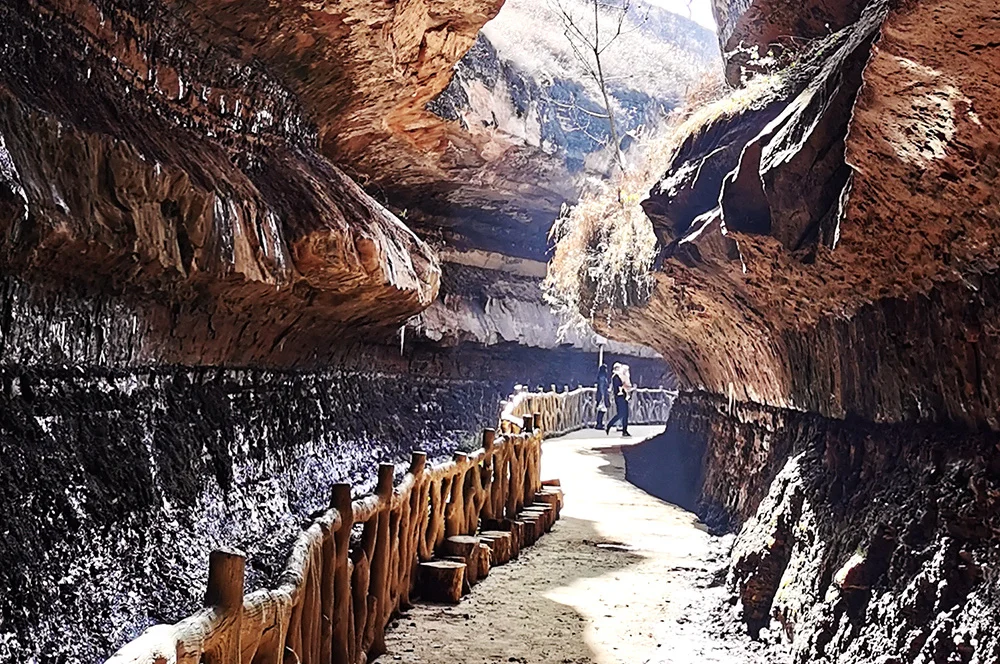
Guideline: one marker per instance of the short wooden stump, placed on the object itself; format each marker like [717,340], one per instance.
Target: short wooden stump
[442,580]
[500,543]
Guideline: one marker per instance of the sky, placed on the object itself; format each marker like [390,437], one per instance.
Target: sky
[701,10]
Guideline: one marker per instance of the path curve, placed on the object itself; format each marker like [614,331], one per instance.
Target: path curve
[623,577]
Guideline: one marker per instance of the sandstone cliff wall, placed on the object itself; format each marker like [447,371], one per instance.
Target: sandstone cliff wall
[830,247]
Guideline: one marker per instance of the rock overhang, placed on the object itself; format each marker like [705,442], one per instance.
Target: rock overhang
[842,260]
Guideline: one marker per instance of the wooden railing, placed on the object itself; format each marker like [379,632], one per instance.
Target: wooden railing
[337,594]
[570,410]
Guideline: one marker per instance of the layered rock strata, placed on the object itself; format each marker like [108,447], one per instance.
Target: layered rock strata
[171,170]
[843,234]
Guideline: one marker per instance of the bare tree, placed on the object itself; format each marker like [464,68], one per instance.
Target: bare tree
[590,33]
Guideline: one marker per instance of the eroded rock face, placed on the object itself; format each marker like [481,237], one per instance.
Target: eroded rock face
[826,291]
[169,168]
[760,27]
[860,542]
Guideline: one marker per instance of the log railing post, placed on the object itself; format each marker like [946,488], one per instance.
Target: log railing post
[380,561]
[417,515]
[418,462]
[226,575]
[342,576]
[454,514]
[489,474]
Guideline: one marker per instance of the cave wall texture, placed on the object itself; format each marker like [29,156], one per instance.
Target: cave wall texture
[827,294]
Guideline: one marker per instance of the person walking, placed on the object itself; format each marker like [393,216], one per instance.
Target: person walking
[603,397]
[620,386]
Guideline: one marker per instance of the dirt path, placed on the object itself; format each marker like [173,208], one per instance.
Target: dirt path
[623,577]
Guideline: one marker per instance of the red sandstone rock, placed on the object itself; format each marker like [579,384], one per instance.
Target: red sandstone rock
[767,24]
[848,291]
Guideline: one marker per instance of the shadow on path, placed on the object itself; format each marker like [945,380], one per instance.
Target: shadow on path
[624,577]
[510,617]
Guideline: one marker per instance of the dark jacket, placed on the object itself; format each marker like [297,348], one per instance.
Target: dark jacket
[602,380]
[618,388]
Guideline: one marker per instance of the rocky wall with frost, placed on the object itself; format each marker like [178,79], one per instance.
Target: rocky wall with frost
[116,484]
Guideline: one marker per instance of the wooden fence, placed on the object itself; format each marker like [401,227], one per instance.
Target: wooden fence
[570,410]
[337,593]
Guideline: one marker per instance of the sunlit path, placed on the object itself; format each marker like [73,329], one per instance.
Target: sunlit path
[622,578]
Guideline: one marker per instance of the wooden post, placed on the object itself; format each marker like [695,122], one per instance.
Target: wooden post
[418,461]
[327,576]
[226,575]
[487,475]
[442,580]
[342,577]
[413,525]
[226,570]
[454,513]
[380,561]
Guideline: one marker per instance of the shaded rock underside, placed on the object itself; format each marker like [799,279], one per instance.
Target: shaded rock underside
[860,542]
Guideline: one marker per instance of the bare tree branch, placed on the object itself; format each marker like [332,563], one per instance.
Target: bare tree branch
[588,47]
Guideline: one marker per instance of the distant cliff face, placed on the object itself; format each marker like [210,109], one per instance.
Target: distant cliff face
[491,299]
[526,99]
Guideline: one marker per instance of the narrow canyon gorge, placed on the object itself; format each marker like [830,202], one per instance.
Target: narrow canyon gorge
[252,249]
